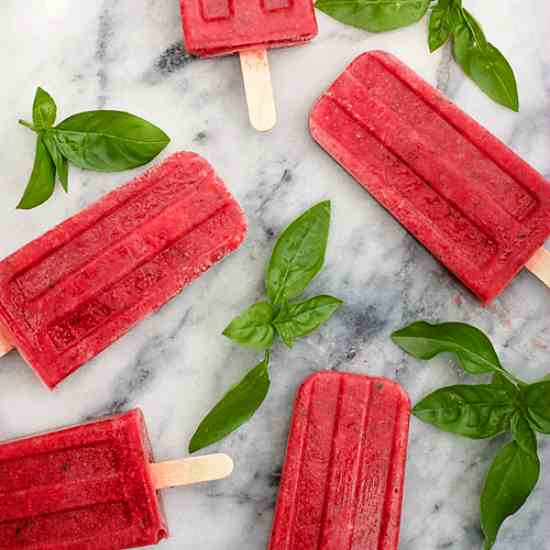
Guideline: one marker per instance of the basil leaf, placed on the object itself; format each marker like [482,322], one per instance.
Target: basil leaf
[473,349]
[375,15]
[501,381]
[44,110]
[476,412]
[60,162]
[108,141]
[483,63]
[298,320]
[253,327]
[42,181]
[511,479]
[537,400]
[523,434]
[299,254]
[236,407]
[443,19]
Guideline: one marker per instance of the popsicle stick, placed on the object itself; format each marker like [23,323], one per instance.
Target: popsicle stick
[175,473]
[258,89]
[539,265]
[5,342]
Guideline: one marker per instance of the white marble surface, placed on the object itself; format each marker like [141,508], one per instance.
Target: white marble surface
[127,54]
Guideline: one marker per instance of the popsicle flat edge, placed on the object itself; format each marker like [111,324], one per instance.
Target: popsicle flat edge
[200,42]
[188,471]
[6,344]
[539,265]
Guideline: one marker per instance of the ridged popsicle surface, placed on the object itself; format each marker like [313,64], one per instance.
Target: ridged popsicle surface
[83,487]
[470,200]
[342,482]
[69,294]
[220,27]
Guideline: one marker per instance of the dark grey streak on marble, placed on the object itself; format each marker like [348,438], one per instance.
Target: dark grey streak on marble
[105,34]
[443,74]
[172,59]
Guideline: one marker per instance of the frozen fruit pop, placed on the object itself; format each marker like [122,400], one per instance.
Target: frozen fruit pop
[480,209]
[69,294]
[93,486]
[250,27]
[342,481]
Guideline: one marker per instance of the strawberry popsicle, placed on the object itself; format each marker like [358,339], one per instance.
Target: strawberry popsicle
[91,487]
[68,295]
[250,27]
[481,210]
[342,482]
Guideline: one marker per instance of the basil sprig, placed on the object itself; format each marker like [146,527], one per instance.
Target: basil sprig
[445,17]
[375,15]
[104,141]
[235,408]
[303,318]
[483,62]
[506,404]
[479,59]
[297,257]
[253,328]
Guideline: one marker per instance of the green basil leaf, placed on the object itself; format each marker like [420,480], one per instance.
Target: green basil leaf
[444,18]
[523,434]
[483,63]
[61,163]
[236,407]
[42,181]
[108,141]
[298,320]
[476,412]
[499,380]
[473,349]
[299,254]
[511,479]
[375,15]
[537,400]
[253,327]
[44,110]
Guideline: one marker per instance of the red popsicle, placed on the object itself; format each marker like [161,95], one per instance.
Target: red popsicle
[68,295]
[91,487]
[481,210]
[220,27]
[342,482]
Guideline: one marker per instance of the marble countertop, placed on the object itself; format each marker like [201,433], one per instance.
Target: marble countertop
[128,55]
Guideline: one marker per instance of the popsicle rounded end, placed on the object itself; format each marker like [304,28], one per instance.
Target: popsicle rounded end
[225,465]
[264,123]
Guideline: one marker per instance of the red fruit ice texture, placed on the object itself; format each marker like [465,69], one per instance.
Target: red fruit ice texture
[470,200]
[86,487]
[219,27]
[342,481]
[68,295]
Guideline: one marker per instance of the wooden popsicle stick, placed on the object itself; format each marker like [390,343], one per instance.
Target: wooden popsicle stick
[175,473]
[539,265]
[5,342]
[258,89]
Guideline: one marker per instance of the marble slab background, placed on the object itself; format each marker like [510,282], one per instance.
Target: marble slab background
[128,54]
